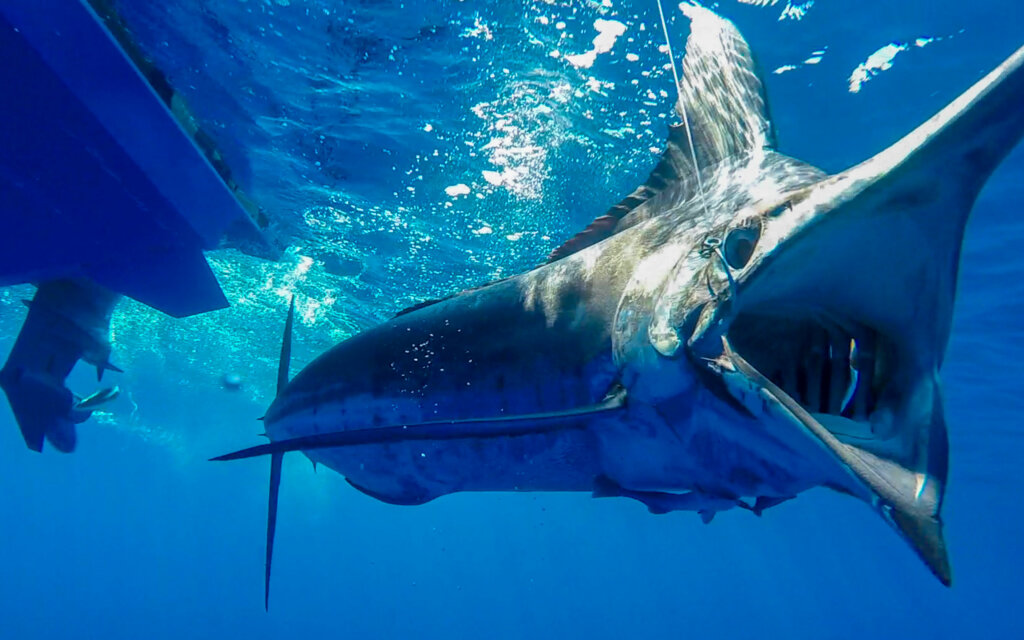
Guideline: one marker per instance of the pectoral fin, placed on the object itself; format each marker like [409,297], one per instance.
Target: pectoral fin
[660,502]
[493,427]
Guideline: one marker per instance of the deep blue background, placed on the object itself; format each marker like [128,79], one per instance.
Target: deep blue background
[135,535]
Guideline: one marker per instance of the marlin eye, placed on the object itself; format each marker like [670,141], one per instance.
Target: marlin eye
[739,246]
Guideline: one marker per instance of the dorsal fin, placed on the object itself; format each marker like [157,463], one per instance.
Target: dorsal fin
[277,459]
[500,426]
[722,92]
[724,101]
[429,303]
[286,349]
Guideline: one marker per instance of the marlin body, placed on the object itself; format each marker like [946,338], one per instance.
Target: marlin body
[741,327]
[542,343]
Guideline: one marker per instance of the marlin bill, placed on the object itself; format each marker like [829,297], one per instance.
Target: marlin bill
[739,329]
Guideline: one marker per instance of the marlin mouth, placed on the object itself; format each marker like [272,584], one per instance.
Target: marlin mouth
[862,396]
[838,370]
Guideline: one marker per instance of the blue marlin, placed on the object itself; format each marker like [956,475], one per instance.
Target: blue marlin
[741,326]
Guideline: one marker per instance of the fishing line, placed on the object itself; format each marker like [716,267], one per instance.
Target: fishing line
[682,108]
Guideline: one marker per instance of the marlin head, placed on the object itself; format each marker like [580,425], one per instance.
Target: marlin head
[828,307]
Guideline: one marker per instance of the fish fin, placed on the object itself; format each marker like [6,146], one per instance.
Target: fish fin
[767,502]
[442,430]
[707,515]
[924,532]
[909,501]
[722,95]
[402,500]
[277,458]
[275,485]
[605,487]
[721,92]
[429,303]
[657,502]
[286,349]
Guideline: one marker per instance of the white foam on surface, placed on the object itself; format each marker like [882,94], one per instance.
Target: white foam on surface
[608,31]
[882,60]
[792,10]
[813,59]
[796,11]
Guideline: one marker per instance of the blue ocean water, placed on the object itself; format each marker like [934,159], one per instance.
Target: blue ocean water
[365,129]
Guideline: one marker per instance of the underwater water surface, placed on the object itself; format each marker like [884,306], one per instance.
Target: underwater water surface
[408,150]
